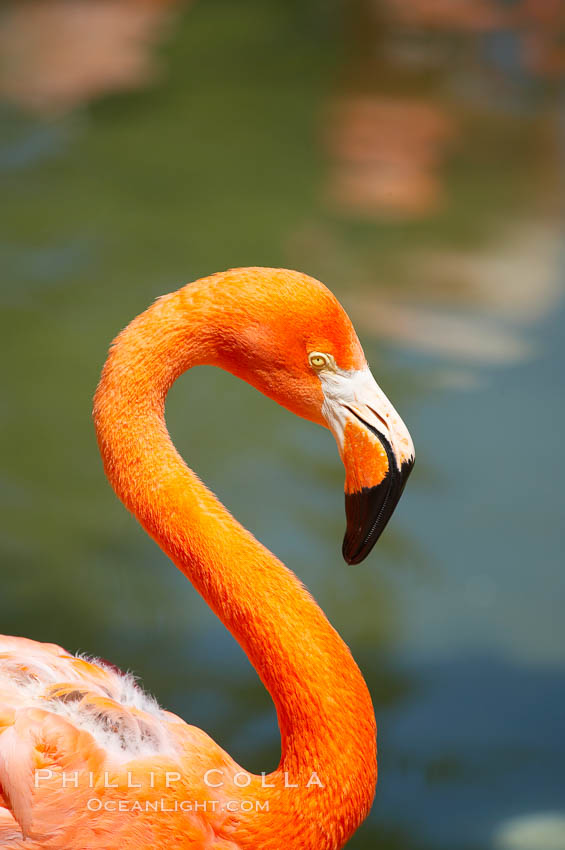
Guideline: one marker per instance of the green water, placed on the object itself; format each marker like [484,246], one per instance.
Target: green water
[456,619]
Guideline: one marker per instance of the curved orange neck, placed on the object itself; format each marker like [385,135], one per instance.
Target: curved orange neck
[323,706]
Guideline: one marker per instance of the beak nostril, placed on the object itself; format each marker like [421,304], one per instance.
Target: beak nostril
[374,412]
[378,415]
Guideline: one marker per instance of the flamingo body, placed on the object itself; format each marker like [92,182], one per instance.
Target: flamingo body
[65,716]
[87,759]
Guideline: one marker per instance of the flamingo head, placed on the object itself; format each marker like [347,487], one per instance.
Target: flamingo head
[290,338]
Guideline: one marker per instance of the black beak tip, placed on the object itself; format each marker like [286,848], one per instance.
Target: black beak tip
[350,555]
[368,512]
[365,513]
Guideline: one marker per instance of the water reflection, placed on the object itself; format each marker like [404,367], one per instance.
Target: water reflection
[540,830]
[387,154]
[58,56]
[409,158]
[473,307]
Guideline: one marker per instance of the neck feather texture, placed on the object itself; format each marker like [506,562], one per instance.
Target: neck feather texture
[324,709]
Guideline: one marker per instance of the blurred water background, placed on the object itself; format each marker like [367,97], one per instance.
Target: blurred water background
[409,154]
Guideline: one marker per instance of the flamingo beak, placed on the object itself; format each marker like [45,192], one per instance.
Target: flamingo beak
[375,480]
[377,452]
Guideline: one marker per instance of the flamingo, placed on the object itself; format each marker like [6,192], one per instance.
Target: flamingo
[87,759]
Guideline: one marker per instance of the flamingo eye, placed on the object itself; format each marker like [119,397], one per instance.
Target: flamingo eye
[318,360]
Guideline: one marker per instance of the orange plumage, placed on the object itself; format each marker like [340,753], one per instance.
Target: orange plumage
[87,760]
